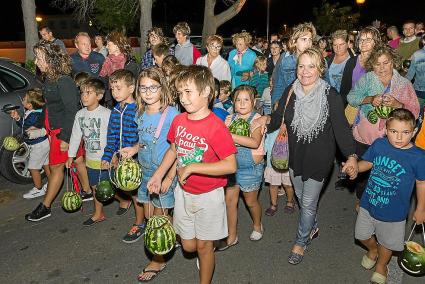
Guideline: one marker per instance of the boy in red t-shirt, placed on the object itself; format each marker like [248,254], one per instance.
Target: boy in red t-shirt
[205,154]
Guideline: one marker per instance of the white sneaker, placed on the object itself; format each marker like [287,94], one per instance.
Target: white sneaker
[34,192]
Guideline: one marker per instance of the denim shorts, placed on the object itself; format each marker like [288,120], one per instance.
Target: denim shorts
[94,176]
[249,179]
[164,200]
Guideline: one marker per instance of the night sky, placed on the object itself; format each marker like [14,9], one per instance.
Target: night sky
[252,17]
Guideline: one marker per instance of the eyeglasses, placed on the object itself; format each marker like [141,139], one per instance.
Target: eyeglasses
[217,47]
[152,89]
[366,40]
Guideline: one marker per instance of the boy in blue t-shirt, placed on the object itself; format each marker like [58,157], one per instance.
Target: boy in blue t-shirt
[396,165]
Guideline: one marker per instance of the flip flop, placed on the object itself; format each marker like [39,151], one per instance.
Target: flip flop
[227,246]
[153,271]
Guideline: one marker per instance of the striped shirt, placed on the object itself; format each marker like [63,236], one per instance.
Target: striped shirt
[122,130]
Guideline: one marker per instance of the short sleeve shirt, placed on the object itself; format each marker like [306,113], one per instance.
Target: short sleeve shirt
[201,141]
[392,178]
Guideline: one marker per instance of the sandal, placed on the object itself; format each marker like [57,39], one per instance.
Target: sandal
[227,246]
[295,258]
[271,210]
[367,263]
[289,208]
[378,278]
[152,271]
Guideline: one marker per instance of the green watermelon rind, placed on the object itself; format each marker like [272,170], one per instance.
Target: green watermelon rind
[10,143]
[160,236]
[383,111]
[128,175]
[406,259]
[240,127]
[104,191]
[372,117]
[71,201]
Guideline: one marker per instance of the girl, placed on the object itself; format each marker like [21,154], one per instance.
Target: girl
[249,174]
[60,93]
[155,115]
[277,178]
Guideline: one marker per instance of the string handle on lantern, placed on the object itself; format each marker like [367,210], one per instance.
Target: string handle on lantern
[110,169]
[67,180]
[160,204]
[413,229]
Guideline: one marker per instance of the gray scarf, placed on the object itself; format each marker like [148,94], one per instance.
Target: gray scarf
[310,111]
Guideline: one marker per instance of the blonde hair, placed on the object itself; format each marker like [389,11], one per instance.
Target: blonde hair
[182,27]
[260,59]
[154,73]
[251,91]
[243,35]
[340,34]
[317,56]
[214,38]
[299,31]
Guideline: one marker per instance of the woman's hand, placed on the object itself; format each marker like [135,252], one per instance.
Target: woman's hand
[390,101]
[377,100]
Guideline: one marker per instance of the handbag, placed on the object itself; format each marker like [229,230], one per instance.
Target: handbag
[280,150]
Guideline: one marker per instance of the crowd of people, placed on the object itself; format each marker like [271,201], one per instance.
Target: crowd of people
[172,111]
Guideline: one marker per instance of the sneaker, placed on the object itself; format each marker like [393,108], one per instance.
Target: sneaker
[134,234]
[39,213]
[86,196]
[35,192]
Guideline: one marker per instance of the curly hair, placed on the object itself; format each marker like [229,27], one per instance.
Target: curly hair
[214,38]
[374,32]
[243,35]
[158,32]
[299,31]
[384,49]
[182,27]
[154,73]
[58,61]
[122,42]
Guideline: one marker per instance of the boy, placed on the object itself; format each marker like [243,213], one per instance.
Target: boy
[224,96]
[122,132]
[33,103]
[205,154]
[91,124]
[160,51]
[396,165]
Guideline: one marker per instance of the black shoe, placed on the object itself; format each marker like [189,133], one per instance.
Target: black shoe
[135,233]
[86,196]
[340,184]
[39,213]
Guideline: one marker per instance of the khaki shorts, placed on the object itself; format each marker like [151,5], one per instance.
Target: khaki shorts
[39,155]
[389,234]
[201,216]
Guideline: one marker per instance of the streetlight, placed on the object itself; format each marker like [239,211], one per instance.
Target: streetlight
[268,18]
[360,2]
[38,19]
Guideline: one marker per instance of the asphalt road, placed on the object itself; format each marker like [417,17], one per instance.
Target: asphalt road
[60,250]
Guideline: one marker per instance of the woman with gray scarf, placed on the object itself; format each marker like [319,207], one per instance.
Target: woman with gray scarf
[315,121]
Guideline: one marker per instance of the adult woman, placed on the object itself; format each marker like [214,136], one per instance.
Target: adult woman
[241,60]
[322,44]
[382,85]
[213,60]
[314,118]
[155,36]
[119,57]
[417,71]
[337,61]
[61,96]
[275,50]
[284,73]
[100,47]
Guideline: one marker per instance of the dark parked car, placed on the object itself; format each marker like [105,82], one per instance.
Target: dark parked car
[14,82]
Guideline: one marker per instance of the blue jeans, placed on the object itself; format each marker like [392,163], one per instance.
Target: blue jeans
[308,193]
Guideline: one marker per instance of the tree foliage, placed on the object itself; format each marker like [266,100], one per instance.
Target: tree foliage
[330,17]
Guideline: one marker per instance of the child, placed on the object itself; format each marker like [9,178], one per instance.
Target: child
[122,132]
[80,77]
[160,51]
[266,99]
[218,108]
[277,178]
[224,96]
[250,159]
[168,65]
[154,117]
[205,155]
[33,103]
[396,165]
[260,77]
[60,93]
[91,125]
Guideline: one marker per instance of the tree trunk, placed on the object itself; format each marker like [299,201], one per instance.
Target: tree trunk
[30,25]
[212,22]
[145,23]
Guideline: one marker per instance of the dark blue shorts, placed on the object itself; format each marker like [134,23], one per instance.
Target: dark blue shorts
[95,174]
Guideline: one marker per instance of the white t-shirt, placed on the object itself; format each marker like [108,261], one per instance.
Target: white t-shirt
[219,67]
